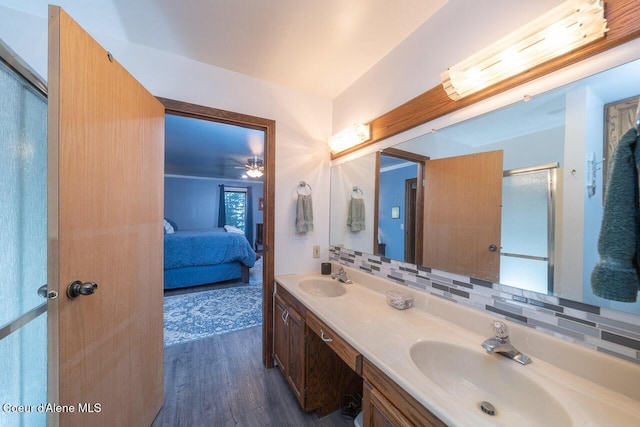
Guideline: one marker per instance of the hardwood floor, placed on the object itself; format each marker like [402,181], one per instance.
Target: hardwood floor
[220,381]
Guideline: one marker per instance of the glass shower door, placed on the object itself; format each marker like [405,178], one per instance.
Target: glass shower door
[23,249]
[526,257]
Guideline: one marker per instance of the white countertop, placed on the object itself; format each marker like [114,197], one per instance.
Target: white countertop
[385,335]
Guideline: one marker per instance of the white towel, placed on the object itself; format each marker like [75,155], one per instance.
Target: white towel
[304,214]
[355,219]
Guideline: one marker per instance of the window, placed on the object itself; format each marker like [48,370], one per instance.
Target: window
[235,204]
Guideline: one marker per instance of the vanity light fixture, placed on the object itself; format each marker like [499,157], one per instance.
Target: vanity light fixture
[568,26]
[353,135]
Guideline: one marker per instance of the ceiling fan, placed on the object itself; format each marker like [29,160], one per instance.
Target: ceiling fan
[254,167]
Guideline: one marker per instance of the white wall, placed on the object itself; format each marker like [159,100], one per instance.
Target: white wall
[303,122]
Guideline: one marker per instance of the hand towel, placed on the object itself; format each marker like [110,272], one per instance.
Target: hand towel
[615,276]
[355,218]
[304,214]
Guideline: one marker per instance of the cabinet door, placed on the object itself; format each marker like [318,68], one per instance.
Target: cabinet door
[280,346]
[296,353]
[379,412]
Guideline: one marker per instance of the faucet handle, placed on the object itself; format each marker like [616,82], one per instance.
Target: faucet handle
[500,329]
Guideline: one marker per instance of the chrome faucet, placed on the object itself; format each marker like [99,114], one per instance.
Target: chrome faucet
[341,275]
[500,343]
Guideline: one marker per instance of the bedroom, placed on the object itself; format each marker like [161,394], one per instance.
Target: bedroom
[208,165]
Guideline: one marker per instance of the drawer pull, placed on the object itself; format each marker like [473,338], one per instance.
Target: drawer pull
[323,338]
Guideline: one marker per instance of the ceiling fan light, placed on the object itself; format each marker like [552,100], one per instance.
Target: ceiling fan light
[254,173]
[254,167]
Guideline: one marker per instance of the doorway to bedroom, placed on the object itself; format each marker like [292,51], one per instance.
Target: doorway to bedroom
[215,216]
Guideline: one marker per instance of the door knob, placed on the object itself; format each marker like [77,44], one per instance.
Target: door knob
[76,288]
[44,292]
[493,248]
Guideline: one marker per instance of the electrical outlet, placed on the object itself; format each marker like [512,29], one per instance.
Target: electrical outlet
[316,251]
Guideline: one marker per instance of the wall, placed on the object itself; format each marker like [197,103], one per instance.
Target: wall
[302,121]
[392,193]
[192,202]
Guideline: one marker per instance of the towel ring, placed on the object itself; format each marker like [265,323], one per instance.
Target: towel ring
[358,192]
[303,185]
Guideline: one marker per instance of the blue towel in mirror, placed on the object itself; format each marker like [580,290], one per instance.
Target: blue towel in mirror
[615,276]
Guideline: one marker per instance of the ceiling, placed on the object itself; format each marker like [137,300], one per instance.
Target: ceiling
[320,47]
[202,148]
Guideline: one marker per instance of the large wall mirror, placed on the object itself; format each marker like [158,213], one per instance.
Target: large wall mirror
[534,173]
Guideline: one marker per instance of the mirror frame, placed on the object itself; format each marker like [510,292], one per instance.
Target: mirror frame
[621,15]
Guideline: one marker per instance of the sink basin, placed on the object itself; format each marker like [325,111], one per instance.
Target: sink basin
[473,377]
[322,287]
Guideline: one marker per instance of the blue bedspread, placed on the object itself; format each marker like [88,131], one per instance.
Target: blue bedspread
[196,248]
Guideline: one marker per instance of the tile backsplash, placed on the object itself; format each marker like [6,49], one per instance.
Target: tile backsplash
[608,331]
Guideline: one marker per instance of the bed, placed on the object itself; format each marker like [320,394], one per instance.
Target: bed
[194,258]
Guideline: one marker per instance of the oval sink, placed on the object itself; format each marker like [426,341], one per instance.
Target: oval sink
[471,378]
[322,287]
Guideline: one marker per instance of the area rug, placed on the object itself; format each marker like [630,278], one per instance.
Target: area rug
[197,315]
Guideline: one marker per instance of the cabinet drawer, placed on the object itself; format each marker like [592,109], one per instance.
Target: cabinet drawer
[342,348]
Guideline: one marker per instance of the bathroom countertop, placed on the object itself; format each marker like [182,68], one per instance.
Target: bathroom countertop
[384,336]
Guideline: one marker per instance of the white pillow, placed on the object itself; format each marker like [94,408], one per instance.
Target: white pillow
[232,229]
[168,228]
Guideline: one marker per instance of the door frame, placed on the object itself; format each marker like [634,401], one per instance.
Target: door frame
[419,160]
[185,109]
[410,200]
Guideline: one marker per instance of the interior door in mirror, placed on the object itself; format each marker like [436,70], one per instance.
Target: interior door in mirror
[462,214]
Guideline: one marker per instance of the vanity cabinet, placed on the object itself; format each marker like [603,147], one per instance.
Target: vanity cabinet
[379,412]
[335,342]
[385,403]
[306,351]
[289,346]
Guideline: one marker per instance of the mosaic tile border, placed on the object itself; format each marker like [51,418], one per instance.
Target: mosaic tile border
[608,331]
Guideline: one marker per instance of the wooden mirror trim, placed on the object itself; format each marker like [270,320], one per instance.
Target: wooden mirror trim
[269,127]
[622,17]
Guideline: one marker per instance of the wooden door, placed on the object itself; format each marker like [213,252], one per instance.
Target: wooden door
[463,197]
[296,354]
[379,412]
[106,155]
[280,347]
